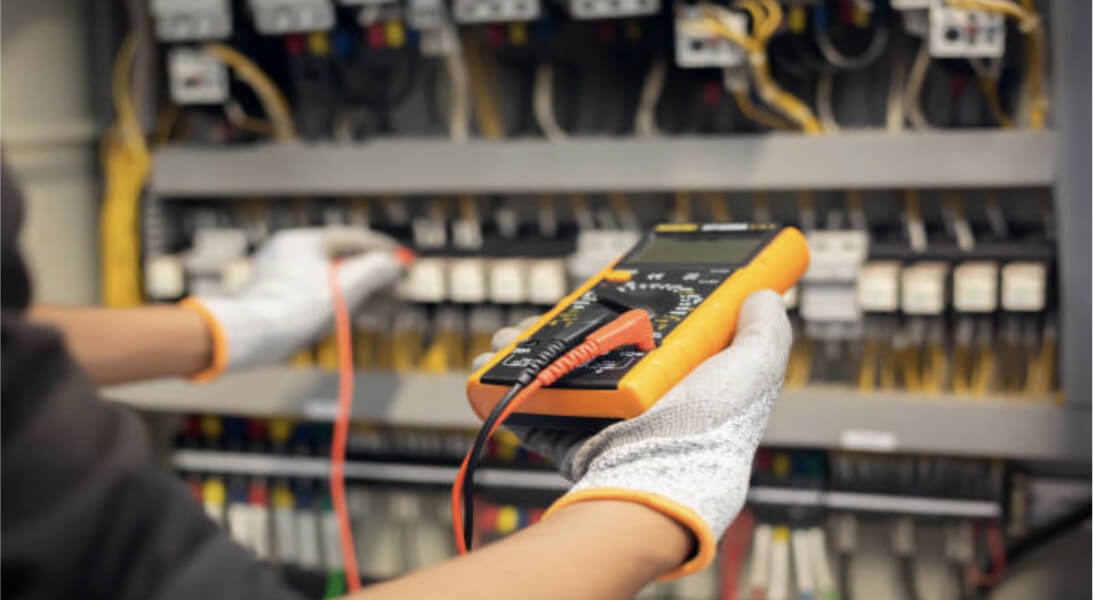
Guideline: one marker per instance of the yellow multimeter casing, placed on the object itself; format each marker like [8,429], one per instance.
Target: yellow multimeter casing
[692,278]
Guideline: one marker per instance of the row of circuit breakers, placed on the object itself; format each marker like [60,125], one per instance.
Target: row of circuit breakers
[949,31]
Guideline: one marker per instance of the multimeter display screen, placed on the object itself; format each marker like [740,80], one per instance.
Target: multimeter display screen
[726,250]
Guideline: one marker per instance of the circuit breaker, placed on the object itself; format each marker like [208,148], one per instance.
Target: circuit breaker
[192,20]
[698,49]
[195,77]
[494,11]
[957,33]
[612,9]
[273,17]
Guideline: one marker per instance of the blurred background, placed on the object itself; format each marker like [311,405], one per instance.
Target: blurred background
[933,438]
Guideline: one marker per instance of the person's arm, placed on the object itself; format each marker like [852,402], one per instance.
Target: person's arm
[589,550]
[286,306]
[115,345]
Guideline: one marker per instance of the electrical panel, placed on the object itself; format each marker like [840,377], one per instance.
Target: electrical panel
[924,290]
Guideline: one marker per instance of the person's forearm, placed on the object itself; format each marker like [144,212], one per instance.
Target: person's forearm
[115,345]
[596,550]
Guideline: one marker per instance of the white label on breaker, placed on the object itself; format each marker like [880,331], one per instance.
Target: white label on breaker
[273,17]
[868,440]
[425,281]
[546,281]
[878,286]
[836,255]
[975,287]
[507,283]
[307,530]
[467,280]
[1024,286]
[829,302]
[164,277]
[332,549]
[924,288]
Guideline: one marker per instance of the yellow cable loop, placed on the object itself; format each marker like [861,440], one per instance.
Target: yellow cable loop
[273,101]
[1031,26]
[989,87]
[767,16]
[758,114]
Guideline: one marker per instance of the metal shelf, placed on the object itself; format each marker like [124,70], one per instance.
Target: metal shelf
[988,158]
[820,417]
[266,465]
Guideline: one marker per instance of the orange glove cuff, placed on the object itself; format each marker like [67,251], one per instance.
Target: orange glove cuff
[219,362]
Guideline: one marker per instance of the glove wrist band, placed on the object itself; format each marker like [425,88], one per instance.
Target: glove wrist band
[706,541]
[219,360]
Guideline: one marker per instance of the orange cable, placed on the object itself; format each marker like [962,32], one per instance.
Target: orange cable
[341,430]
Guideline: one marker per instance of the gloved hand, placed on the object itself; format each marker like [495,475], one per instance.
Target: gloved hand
[689,456]
[287,303]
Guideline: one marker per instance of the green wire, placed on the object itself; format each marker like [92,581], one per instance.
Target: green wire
[335,584]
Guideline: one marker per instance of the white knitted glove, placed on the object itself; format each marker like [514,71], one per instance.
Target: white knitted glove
[690,455]
[288,304]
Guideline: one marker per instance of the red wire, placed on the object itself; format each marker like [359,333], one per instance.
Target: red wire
[733,547]
[997,548]
[341,430]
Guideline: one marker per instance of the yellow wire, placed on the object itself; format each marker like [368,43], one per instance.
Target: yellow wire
[983,371]
[933,369]
[165,123]
[485,108]
[1031,26]
[961,369]
[681,207]
[910,365]
[867,373]
[767,16]
[888,368]
[273,101]
[618,203]
[717,206]
[989,87]
[757,114]
[125,158]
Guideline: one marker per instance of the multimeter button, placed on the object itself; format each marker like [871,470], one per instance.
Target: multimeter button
[618,276]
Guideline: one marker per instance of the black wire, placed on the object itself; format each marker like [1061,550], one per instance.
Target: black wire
[907,574]
[845,592]
[961,582]
[479,446]
[1043,535]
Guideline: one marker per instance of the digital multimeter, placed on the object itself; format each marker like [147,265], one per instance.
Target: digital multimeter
[691,278]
